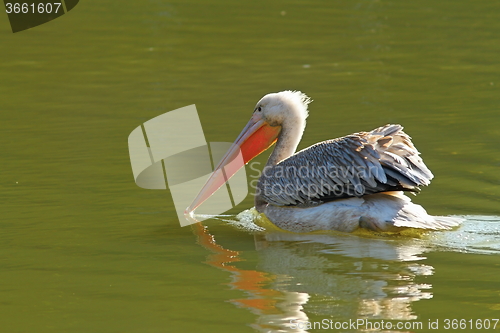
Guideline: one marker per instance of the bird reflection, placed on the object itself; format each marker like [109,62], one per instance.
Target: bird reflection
[301,278]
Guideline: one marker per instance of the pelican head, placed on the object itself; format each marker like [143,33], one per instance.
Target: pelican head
[274,115]
[281,107]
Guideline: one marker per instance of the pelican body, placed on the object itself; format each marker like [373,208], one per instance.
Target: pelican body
[356,181]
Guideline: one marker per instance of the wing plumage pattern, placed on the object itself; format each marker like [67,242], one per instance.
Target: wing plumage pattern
[363,163]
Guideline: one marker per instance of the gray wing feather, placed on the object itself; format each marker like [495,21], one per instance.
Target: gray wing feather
[363,163]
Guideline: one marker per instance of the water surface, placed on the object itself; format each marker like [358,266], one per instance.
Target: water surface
[85,250]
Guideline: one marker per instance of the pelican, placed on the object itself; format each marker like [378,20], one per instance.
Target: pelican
[356,181]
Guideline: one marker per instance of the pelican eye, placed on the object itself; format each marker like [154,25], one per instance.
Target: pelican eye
[259,109]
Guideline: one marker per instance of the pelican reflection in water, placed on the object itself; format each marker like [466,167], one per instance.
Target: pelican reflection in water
[302,276]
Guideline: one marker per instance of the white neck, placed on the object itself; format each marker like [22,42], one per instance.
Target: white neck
[288,140]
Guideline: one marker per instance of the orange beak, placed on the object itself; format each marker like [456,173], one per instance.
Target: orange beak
[256,137]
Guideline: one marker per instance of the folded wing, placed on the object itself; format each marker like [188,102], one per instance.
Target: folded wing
[359,164]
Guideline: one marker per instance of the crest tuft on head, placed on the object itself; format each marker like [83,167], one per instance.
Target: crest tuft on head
[297,97]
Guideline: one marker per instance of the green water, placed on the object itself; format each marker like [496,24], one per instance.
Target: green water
[83,249]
